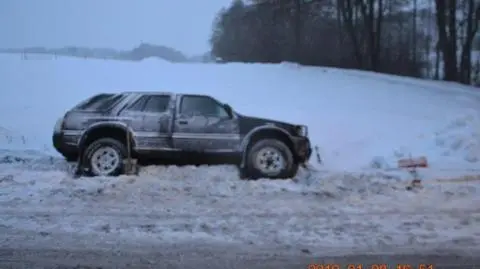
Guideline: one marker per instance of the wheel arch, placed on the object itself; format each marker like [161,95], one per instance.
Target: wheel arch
[265,132]
[115,130]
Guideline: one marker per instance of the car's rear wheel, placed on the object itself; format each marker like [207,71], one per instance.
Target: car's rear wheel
[104,157]
[270,158]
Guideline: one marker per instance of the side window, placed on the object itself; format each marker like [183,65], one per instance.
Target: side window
[139,104]
[157,103]
[202,105]
[107,103]
[151,103]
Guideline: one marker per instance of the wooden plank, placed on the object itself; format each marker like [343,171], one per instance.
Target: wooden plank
[419,162]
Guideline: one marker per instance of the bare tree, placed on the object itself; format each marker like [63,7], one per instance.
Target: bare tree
[364,34]
[471,20]
[368,16]
[448,25]
[447,36]
[347,11]
[296,12]
[414,30]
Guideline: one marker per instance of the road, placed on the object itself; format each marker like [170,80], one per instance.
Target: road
[22,250]
[187,257]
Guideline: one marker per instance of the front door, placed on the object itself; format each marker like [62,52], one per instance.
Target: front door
[202,124]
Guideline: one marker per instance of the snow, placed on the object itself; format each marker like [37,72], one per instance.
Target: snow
[202,203]
[356,118]
[345,110]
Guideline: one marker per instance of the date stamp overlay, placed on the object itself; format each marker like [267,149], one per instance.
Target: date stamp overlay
[370,266]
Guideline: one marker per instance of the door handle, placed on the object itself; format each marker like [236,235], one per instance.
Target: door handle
[182,122]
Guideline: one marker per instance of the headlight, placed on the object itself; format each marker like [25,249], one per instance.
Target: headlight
[302,130]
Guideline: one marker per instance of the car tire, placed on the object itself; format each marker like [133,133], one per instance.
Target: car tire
[270,158]
[104,157]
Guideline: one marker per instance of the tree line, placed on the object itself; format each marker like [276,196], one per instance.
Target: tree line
[419,38]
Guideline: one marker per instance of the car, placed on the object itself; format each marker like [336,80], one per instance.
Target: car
[102,131]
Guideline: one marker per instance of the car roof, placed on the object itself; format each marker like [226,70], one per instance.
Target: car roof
[148,92]
[161,93]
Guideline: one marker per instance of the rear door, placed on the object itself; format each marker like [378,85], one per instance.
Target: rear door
[153,120]
[202,124]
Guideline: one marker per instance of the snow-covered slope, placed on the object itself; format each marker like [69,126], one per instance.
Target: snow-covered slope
[354,116]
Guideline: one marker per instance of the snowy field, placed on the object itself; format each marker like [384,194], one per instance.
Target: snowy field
[359,120]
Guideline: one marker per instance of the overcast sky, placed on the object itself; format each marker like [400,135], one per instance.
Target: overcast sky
[181,24]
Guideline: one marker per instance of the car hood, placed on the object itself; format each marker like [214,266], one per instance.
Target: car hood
[248,123]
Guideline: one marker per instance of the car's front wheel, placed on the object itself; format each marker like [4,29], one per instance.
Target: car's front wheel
[104,157]
[270,158]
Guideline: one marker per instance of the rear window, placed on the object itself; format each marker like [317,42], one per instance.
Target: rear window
[100,102]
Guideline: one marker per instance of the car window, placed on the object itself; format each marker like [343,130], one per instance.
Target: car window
[139,104]
[93,99]
[202,105]
[100,102]
[107,103]
[157,103]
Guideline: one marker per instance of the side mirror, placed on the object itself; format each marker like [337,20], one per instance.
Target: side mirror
[229,110]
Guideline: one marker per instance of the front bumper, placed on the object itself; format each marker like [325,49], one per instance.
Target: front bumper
[303,149]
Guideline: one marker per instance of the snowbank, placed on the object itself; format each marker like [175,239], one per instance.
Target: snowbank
[332,212]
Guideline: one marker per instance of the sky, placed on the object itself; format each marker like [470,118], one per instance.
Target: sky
[122,24]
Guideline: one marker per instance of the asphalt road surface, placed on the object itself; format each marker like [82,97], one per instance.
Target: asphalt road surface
[189,256]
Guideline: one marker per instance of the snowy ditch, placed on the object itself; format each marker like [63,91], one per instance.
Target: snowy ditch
[324,210]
